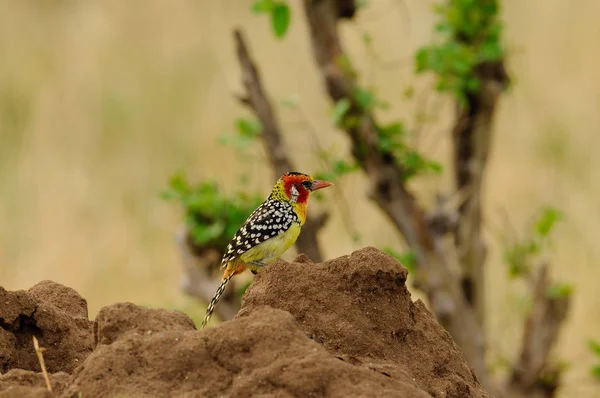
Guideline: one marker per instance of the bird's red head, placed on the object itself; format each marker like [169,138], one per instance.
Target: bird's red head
[297,186]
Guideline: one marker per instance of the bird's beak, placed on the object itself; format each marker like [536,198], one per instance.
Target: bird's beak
[318,184]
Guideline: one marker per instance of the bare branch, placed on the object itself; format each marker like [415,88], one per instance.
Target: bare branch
[544,321]
[257,99]
[346,8]
[390,193]
[472,136]
[442,219]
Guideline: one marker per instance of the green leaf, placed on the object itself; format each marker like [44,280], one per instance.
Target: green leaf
[211,217]
[594,346]
[205,233]
[280,19]
[351,121]
[490,51]
[341,167]
[462,66]
[436,167]
[248,128]
[262,6]
[345,65]
[519,258]
[386,144]
[595,371]
[179,184]
[422,60]
[395,129]
[407,258]
[413,162]
[364,99]
[443,27]
[548,219]
[559,290]
[468,34]
[472,84]
[340,110]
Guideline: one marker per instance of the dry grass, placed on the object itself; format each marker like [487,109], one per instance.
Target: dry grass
[39,352]
[101,101]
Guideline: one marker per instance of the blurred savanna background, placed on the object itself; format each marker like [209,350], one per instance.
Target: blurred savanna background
[102,101]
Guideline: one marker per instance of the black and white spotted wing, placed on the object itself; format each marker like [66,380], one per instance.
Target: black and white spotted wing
[270,219]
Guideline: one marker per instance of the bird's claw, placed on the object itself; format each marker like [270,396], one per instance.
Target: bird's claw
[257,264]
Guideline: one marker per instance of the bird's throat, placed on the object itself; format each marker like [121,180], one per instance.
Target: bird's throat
[300,209]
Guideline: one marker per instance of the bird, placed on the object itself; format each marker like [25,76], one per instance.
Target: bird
[269,231]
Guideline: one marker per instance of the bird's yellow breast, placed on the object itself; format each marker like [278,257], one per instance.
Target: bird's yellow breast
[270,250]
[300,210]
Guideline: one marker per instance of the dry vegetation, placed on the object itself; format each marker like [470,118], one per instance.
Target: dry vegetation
[100,103]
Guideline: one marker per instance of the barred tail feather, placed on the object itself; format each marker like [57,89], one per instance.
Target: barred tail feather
[215,299]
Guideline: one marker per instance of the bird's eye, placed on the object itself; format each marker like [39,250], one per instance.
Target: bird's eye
[306,184]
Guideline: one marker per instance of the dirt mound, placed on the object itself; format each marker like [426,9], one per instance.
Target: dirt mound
[343,328]
[262,354]
[25,383]
[118,319]
[56,315]
[359,309]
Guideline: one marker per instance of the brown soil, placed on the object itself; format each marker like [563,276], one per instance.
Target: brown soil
[344,328]
[56,315]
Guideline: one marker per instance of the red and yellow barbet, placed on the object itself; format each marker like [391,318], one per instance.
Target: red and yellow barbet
[269,231]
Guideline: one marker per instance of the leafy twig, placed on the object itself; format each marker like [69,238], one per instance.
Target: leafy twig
[468,63]
[546,317]
[533,374]
[388,187]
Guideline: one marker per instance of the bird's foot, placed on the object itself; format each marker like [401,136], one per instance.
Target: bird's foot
[256,264]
